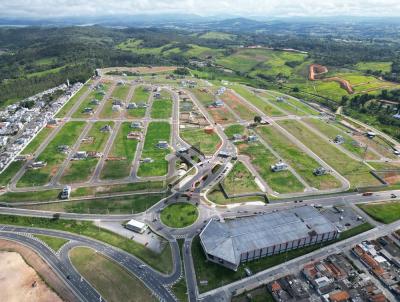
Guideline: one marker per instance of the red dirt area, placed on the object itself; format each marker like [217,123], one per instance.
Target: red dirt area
[316,70]
[237,105]
[391,177]
[31,274]
[221,115]
[343,84]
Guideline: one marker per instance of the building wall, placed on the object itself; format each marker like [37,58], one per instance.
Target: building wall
[286,246]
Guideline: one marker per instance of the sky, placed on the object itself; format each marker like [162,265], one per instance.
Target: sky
[43,9]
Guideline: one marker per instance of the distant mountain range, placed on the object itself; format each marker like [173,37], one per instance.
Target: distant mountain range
[198,23]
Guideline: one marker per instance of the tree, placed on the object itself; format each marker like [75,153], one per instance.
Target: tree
[257,119]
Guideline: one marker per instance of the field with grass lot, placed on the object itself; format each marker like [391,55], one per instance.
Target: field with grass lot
[66,136]
[9,172]
[93,95]
[240,180]
[53,242]
[235,129]
[109,278]
[298,105]
[161,109]
[349,144]
[179,215]
[297,158]
[354,171]
[156,131]
[161,262]
[262,105]
[385,212]
[262,159]
[374,66]
[81,170]
[206,143]
[124,149]
[131,204]
[140,95]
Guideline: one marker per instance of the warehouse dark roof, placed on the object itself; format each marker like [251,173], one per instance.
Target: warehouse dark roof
[228,240]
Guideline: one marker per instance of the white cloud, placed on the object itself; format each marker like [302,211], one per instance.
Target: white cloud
[57,8]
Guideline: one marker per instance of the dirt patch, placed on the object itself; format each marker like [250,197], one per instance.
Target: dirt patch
[315,71]
[343,84]
[20,268]
[221,115]
[19,282]
[391,177]
[241,108]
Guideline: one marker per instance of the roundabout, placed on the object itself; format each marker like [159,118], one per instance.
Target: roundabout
[179,215]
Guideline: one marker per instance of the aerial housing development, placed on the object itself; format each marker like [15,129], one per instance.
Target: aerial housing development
[203,159]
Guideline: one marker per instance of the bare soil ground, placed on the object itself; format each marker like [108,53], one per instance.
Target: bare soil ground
[316,70]
[343,83]
[238,106]
[221,115]
[20,268]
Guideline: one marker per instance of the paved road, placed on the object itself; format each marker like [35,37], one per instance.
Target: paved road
[155,281]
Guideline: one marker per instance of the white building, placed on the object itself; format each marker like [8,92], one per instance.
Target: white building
[136,226]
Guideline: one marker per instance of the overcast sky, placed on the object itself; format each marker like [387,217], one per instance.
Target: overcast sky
[279,8]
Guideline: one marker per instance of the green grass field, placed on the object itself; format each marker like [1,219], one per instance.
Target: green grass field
[385,212]
[140,95]
[264,106]
[66,136]
[161,262]
[53,242]
[179,215]
[349,144]
[51,195]
[235,129]
[9,173]
[262,159]
[121,92]
[240,180]
[356,172]
[293,105]
[374,66]
[123,148]
[109,278]
[217,275]
[68,106]
[156,131]
[81,170]
[36,142]
[206,143]
[297,158]
[133,204]
[161,109]
[214,35]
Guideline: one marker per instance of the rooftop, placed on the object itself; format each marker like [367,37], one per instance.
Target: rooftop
[227,240]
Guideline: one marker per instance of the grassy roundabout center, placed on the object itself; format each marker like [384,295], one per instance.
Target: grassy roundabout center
[179,215]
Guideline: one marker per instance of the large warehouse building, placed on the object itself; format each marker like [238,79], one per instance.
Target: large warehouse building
[240,240]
